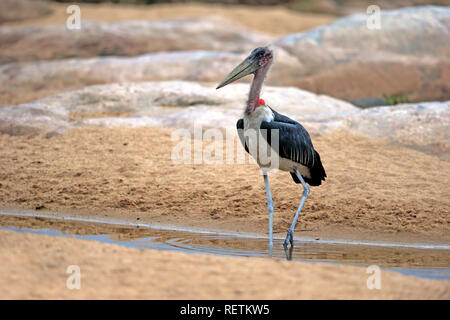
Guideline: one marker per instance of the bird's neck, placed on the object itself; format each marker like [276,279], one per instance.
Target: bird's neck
[255,89]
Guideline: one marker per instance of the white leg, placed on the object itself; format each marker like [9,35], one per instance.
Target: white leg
[269,208]
[290,234]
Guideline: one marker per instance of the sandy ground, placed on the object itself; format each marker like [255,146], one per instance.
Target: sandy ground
[372,191]
[109,271]
[274,20]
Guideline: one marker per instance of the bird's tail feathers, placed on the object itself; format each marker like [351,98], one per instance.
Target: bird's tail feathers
[317,172]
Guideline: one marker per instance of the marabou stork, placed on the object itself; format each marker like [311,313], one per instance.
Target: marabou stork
[295,152]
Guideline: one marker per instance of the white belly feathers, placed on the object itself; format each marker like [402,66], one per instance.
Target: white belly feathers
[257,145]
[255,142]
[254,119]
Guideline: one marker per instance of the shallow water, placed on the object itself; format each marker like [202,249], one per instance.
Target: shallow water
[421,262]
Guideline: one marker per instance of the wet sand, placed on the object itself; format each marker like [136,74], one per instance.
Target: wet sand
[428,261]
[109,271]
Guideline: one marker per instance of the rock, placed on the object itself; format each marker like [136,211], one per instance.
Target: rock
[27,81]
[420,126]
[21,82]
[170,104]
[179,104]
[127,38]
[17,10]
[409,54]
[347,7]
[368,102]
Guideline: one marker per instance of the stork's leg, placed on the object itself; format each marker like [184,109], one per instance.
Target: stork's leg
[288,253]
[290,234]
[270,209]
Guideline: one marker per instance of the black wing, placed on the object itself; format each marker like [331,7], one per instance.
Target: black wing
[278,117]
[240,129]
[295,144]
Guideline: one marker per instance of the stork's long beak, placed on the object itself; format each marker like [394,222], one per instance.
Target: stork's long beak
[246,67]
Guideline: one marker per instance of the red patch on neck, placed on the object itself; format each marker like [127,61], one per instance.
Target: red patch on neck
[258,103]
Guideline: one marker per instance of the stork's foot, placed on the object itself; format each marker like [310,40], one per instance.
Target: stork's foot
[288,253]
[289,239]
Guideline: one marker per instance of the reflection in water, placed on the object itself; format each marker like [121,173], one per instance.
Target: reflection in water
[288,253]
[430,263]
